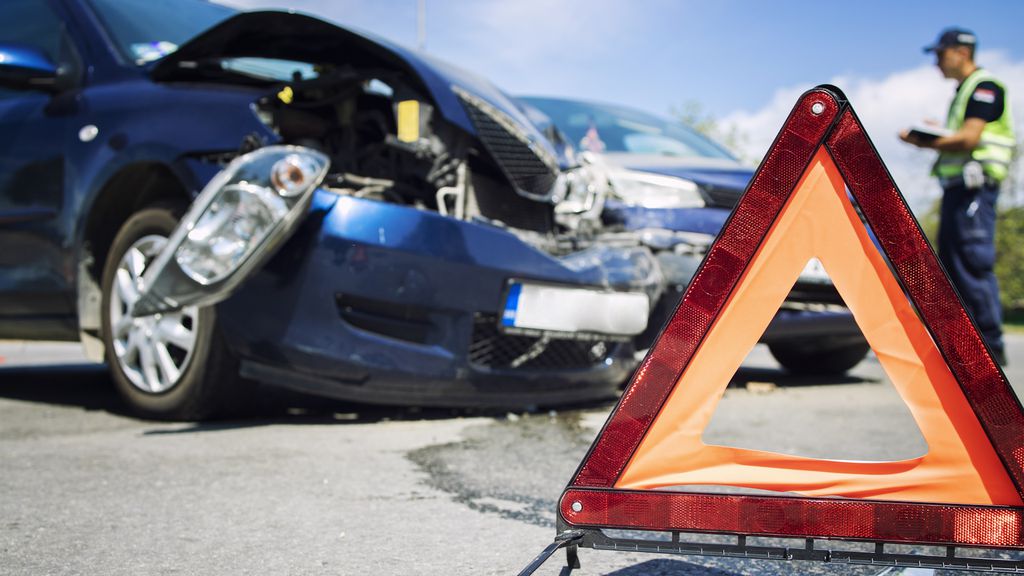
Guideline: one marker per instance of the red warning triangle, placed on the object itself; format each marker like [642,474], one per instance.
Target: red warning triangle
[967,490]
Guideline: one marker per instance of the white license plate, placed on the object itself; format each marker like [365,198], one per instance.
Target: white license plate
[563,309]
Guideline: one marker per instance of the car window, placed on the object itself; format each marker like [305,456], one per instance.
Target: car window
[271,68]
[30,23]
[144,30]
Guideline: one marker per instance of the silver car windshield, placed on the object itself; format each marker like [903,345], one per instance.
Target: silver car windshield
[608,128]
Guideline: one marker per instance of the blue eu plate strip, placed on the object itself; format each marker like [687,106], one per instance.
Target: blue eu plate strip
[508,317]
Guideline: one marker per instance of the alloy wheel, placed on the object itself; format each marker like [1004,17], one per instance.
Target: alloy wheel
[152,351]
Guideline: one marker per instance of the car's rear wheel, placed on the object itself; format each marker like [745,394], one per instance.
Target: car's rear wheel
[819,358]
[168,366]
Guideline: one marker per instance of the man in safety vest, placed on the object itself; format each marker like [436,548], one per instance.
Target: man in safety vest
[974,158]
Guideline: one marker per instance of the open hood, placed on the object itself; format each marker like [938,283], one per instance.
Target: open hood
[302,38]
[273,34]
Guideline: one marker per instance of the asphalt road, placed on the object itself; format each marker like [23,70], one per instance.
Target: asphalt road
[329,488]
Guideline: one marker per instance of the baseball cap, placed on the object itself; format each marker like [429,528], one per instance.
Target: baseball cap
[953,37]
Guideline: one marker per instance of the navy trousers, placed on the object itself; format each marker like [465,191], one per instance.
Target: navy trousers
[967,249]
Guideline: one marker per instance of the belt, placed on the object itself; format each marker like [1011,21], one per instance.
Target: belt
[958,182]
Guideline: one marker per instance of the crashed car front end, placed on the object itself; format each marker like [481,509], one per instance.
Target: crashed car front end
[382,303]
[405,235]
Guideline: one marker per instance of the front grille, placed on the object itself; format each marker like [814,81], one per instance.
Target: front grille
[490,348]
[812,293]
[721,197]
[529,167]
[495,203]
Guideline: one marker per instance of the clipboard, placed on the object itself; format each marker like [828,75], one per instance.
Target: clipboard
[927,133]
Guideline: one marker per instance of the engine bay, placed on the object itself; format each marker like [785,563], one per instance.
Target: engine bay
[387,143]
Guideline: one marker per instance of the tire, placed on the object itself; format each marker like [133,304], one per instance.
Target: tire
[816,358]
[171,366]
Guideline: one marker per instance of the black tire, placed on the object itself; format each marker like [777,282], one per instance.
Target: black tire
[816,358]
[206,375]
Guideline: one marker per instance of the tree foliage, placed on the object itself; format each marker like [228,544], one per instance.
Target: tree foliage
[1009,250]
[1010,256]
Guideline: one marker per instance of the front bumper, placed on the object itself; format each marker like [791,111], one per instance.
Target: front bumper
[381,303]
[791,325]
[820,321]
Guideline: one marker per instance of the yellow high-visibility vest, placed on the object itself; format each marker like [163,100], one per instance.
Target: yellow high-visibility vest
[995,151]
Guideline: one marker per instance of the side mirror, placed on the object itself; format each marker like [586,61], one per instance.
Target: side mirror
[27,68]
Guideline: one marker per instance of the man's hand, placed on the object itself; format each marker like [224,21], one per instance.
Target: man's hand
[916,140]
[965,139]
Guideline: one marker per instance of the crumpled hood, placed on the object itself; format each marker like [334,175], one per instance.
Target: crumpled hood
[302,38]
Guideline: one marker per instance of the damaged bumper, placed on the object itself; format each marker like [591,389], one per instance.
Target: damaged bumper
[380,303]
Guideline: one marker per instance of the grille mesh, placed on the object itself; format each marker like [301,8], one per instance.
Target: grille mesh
[721,197]
[524,165]
[491,348]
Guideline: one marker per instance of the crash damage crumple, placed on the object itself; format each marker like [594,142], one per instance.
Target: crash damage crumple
[302,38]
[463,99]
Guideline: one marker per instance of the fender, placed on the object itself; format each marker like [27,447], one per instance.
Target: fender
[129,140]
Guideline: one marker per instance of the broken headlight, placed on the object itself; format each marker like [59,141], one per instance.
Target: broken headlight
[234,224]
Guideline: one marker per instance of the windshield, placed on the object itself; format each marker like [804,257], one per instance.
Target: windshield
[147,30]
[607,128]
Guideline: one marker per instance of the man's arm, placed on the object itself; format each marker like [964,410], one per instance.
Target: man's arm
[985,105]
[963,140]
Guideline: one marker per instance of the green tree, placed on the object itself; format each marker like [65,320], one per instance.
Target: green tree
[1010,256]
[1010,238]
[1009,250]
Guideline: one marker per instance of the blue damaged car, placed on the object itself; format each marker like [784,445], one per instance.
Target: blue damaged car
[676,188]
[208,198]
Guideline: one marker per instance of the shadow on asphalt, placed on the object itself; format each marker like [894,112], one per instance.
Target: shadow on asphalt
[85,386]
[782,378]
[89,387]
[666,566]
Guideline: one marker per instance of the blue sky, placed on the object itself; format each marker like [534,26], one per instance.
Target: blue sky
[744,61]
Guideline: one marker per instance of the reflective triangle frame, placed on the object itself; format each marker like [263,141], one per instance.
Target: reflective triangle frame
[821,120]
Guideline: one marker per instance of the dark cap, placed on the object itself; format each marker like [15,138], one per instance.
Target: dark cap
[953,37]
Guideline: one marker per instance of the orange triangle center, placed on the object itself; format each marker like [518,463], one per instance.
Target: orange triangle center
[820,221]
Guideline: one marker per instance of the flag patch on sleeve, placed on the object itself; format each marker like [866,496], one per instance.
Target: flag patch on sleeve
[984,95]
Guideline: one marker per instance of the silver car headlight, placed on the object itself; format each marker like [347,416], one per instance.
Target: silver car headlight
[654,190]
[581,192]
[235,223]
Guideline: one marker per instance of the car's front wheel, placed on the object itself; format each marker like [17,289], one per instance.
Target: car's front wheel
[172,365]
[819,358]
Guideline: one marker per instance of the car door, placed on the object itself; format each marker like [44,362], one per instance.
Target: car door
[36,271]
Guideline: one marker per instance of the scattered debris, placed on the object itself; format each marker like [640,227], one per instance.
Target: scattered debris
[761,387]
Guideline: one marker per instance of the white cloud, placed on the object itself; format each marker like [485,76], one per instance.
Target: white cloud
[886,106]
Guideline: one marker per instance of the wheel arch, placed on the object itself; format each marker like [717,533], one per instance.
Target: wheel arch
[130,189]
